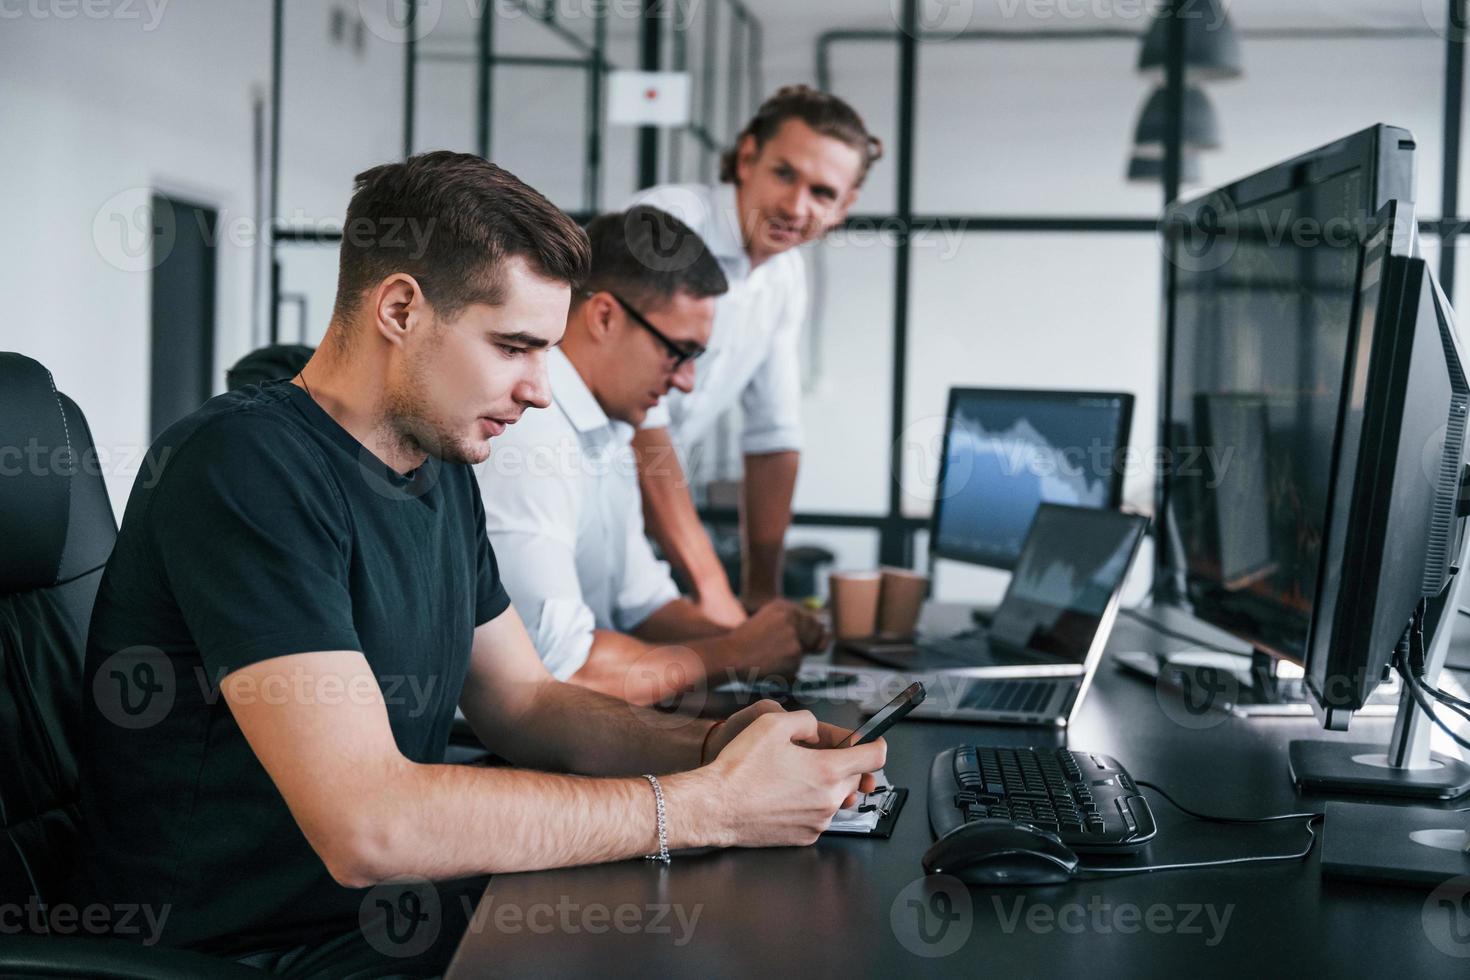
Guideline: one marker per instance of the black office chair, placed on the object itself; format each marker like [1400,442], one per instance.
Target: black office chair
[57,531]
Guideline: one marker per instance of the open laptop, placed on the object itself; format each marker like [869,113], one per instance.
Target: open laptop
[1033,665]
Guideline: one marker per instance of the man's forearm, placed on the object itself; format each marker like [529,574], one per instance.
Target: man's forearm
[678,621]
[643,673]
[770,483]
[443,821]
[577,729]
[669,513]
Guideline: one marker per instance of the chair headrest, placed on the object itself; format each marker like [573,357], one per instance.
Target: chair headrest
[45,451]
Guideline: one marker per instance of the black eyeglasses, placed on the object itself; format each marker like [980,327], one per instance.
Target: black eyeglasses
[681,355]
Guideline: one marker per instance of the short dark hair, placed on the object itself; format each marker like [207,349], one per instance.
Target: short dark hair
[451,220]
[823,112]
[646,255]
[271,363]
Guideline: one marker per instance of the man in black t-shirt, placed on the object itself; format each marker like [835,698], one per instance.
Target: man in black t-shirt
[302,595]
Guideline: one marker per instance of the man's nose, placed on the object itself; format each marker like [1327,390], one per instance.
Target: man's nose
[683,377]
[534,391]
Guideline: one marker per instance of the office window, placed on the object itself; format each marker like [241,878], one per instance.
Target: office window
[1031,310]
[847,362]
[340,113]
[865,74]
[1299,94]
[1028,128]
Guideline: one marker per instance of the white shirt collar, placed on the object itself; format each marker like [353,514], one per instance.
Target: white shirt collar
[723,234]
[576,401]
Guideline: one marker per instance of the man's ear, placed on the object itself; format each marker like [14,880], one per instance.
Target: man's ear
[597,314]
[844,206]
[398,307]
[745,156]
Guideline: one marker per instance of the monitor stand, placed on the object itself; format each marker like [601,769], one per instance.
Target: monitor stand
[1405,767]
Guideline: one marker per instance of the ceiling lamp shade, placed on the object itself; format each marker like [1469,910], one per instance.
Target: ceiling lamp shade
[1211,49]
[1201,128]
[1150,169]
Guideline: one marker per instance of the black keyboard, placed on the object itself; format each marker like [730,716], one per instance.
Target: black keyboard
[1087,799]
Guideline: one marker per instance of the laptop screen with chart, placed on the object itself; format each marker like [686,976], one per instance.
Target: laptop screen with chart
[1070,572]
[1006,452]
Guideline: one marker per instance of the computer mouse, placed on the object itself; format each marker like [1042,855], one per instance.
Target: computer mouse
[1001,852]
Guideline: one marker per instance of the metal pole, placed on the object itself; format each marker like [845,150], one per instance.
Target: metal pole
[895,544]
[1164,585]
[707,89]
[1454,93]
[278,12]
[650,58]
[410,66]
[485,66]
[592,193]
[733,88]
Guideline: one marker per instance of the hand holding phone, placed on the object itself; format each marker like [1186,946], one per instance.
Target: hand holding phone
[887,716]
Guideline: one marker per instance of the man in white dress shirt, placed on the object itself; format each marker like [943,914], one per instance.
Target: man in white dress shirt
[561,496]
[792,176]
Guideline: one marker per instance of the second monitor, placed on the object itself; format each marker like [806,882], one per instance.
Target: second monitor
[1007,451]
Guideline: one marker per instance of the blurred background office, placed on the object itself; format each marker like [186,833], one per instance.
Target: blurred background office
[175,173]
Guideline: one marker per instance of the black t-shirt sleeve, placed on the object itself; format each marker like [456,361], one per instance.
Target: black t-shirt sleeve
[255,541]
[491,599]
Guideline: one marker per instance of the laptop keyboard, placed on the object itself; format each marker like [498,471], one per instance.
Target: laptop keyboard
[1021,696]
[1087,799]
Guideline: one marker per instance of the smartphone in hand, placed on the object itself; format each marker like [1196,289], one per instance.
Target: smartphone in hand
[888,715]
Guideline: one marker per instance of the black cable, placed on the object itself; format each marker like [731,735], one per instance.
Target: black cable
[1310,819]
[1418,668]
[1213,819]
[1419,698]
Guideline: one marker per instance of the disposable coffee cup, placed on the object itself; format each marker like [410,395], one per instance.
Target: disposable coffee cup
[854,600]
[900,599]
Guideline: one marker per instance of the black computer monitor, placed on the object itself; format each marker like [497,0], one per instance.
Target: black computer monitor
[1007,451]
[1262,284]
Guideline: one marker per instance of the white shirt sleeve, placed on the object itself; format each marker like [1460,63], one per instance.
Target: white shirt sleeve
[531,519]
[771,402]
[647,584]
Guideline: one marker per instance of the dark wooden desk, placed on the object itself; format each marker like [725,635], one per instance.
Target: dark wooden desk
[841,907]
